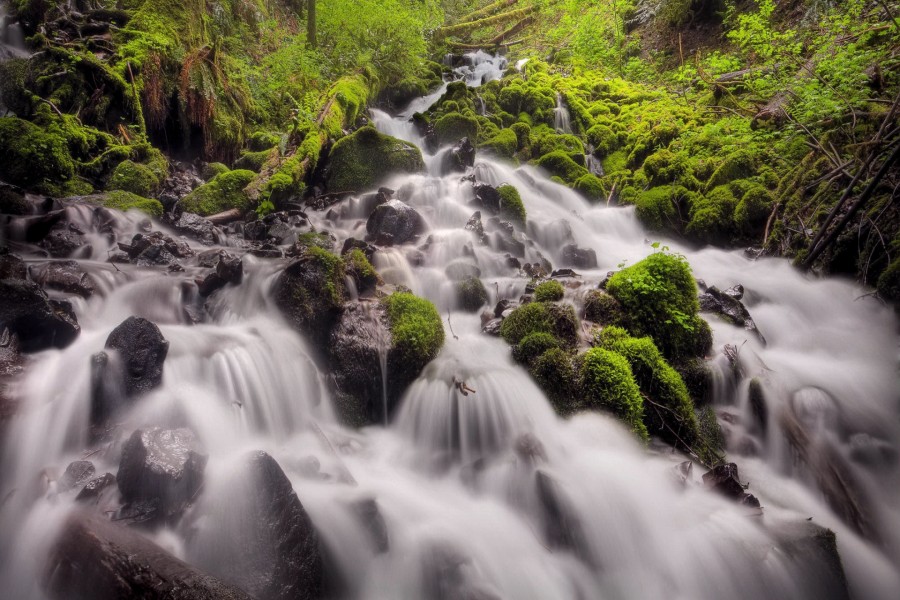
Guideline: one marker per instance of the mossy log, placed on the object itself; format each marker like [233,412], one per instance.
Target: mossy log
[464,28]
[487,11]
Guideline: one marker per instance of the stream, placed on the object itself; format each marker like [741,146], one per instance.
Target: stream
[464,507]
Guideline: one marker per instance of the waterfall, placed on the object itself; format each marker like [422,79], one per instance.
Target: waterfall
[488,494]
[562,122]
[12,40]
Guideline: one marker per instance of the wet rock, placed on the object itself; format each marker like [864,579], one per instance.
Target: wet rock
[580,258]
[209,284]
[76,474]
[155,248]
[459,271]
[458,158]
[683,473]
[255,230]
[273,551]
[142,349]
[310,293]
[492,327]
[64,241]
[230,268]
[183,178]
[355,244]
[487,197]
[11,266]
[814,553]
[735,291]
[369,516]
[475,225]
[729,308]
[394,222]
[163,467]
[562,528]
[530,449]
[724,480]
[447,574]
[194,226]
[502,306]
[65,276]
[38,322]
[13,200]
[92,490]
[872,452]
[512,262]
[358,345]
[758,407]
[94,559]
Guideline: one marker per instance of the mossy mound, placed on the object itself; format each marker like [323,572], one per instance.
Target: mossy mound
[504,144]
[558,163]
[365,158]
[606,383]
[511,207]
[711,216]
[471,294]
[554,371]
[310,292]
[223,192]
[590,187]
[600,307]
[454,126]
[124,201]
[139,179]
[32,157]
[549,291]
[254,161]
[210,170]
[357,266]
[417,336]
[659,208]
[659,299]
[541,317]
[263,140]
[737,165]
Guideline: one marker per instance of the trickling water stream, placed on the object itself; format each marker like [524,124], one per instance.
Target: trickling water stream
[490,494]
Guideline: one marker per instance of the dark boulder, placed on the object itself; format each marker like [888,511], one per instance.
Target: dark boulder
[64,240]
[724,480]
[65,276]
[458,158]
[94,488]
[142,349]
[355,244]
[270,548]
[161,467]
[94,559]
[39,322]
[155,248]
[310,293]
[13,200]
[11,266]
[193,225]
[229,269]
[475,225]
[394,222]
[814,555]
[562,528]
[76,474]
[727,305]
[580,258]
[487,197]
[460,270]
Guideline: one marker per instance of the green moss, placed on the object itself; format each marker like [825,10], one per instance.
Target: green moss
[454,126]
[362,160]
[123,201]
[602,308]
[212,169]
[671,414]
[541,317]
[471,294]
[561,165]
[615,162]
[590,187]
[504,144]
[752,211]
[332,268]
[712,216]
[254,161]
[549,291]
[534,345]
[358,267]
[550,141]
[659,297]
[606,383]
[263,140]
[604,140]
[32,157]
[129,176]
[554,372]
[417,332]
[511,207]
[522,131]
[737,165]
[658,208]
[223,192]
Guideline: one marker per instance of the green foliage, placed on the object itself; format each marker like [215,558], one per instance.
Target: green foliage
[738,165]
[657,208]
[32,157]
[254,161]
[511,207]
[124,201]
[417,331]
[606,383]
[549,291]
[471,294]
[362,160]
[534,345]
[753,209]
[223,192]
[133,177]
[659,297]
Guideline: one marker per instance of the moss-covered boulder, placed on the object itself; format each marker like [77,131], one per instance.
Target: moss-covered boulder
[362,160]
[659,298]
[417,336]
[558,163]
[454,126]
[549,291]
[360,270]
[544,317]
[223,192]
[32,157]
[659,208]
[124,201]
[606,383]
[602,308]
[471,294]
[711,216]
[504,144]
[139,179]
[511,207]
[310,293]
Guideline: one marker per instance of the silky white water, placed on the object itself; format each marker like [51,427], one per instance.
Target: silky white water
[462,482]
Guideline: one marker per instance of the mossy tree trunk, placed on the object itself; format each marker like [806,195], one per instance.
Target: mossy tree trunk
[311,23]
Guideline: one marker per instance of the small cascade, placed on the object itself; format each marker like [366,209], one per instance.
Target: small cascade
[561,119]
[12,39]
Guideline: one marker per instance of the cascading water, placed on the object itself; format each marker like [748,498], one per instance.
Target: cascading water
[486,494]
[12,40]
[562,121]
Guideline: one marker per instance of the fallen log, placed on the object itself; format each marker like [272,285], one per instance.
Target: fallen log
[225,217]
[487,11]
[462,28]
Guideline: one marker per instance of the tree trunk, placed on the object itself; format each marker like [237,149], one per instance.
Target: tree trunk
[311,23]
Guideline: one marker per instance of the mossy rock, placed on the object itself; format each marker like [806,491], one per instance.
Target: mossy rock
[561,165]
[124,201]
[606,383]
[310,293]
[223,192]
[362,160]
[210,170]
[549,291]
[554,372]
[753,210]
[659,208]
[534,345]
[604,140]
[541,317]
[590,187]
[511,207]
[254,161]
[659,298]
[356,265]
[129,176]
[737,165]
[671,417]
[417,336]
[263,140]
[454,126]
[471,294]
[33,158]
[504,144]
[602,308]
[712,216]
[522,132]
[615,162]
